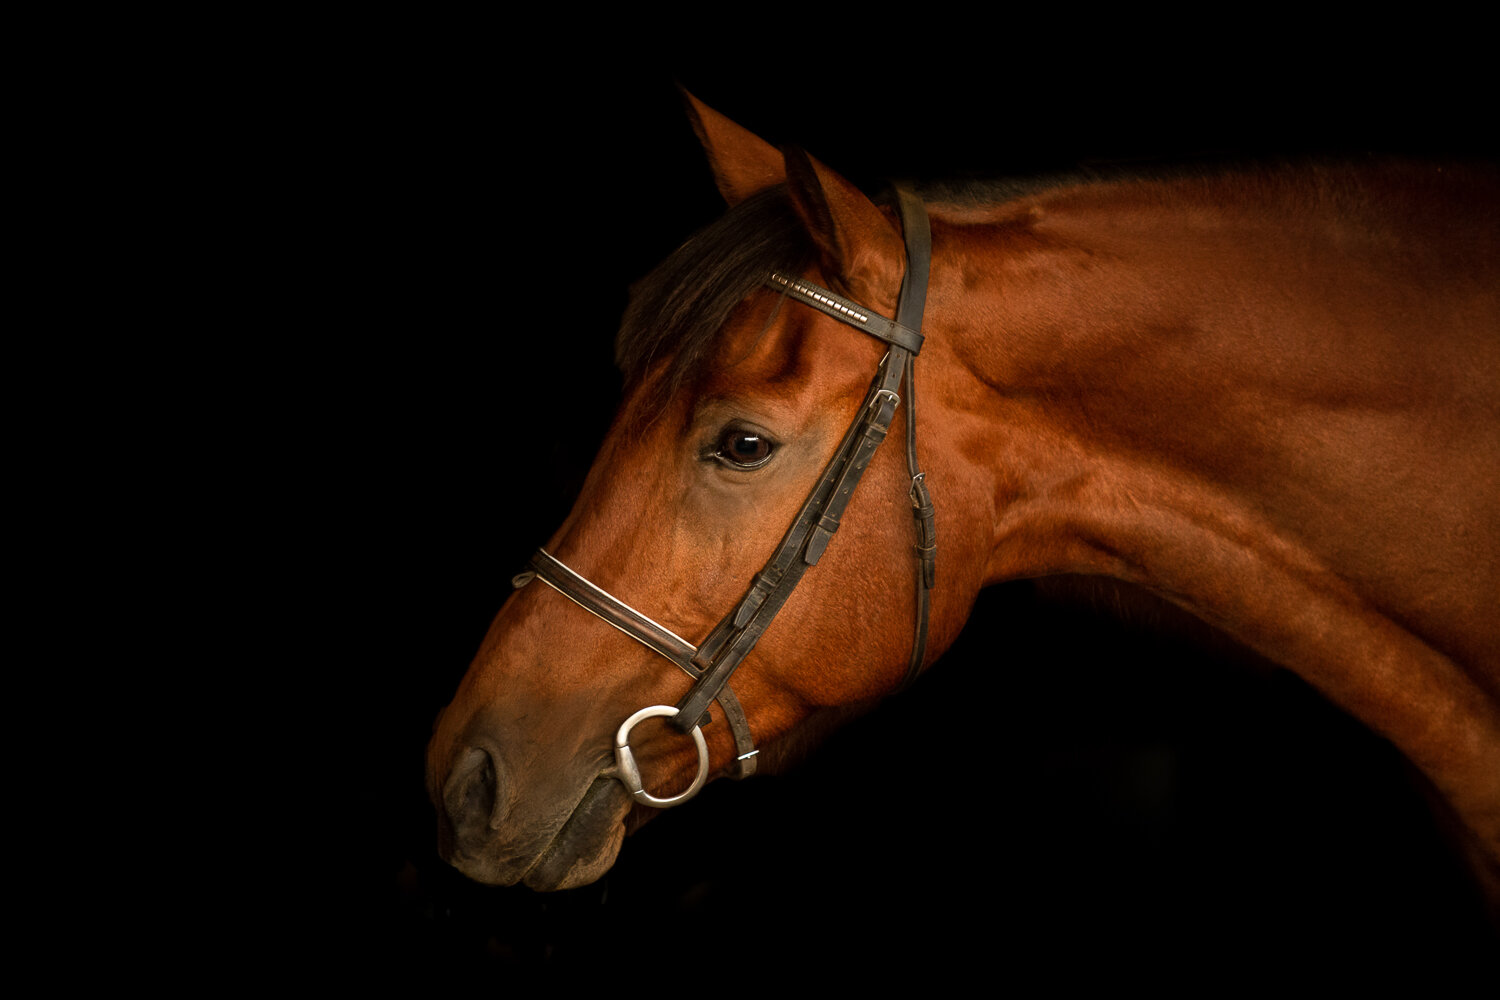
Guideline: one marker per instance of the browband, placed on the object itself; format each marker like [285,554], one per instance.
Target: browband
[841,308]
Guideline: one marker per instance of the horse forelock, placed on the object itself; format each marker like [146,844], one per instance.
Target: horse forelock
[676,312]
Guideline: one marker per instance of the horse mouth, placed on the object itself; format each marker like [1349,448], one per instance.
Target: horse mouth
[586,845]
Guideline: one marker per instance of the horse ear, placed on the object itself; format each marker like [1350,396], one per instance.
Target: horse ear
[742,162]
[860,247]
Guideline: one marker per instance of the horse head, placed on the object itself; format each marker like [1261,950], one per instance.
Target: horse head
[737,394]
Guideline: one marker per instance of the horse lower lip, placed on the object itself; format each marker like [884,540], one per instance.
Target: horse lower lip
[584,847]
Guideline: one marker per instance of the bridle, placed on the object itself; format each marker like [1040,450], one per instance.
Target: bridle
[711,663]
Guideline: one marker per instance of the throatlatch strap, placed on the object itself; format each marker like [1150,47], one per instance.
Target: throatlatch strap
[909,310]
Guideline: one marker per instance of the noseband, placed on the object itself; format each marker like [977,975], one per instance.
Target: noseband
[711,663]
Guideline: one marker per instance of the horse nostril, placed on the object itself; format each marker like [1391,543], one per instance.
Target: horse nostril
[470,796]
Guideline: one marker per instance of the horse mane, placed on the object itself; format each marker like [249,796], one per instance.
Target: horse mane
[976,192]
[677,310]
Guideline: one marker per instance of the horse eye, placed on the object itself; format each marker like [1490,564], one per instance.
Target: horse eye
[743,449]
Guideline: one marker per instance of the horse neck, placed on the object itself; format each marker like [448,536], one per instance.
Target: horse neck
[1161,381]
[1275,403]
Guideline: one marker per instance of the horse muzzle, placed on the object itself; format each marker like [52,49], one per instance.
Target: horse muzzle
[483,834]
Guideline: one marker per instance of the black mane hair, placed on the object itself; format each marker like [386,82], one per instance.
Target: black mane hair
[678,309]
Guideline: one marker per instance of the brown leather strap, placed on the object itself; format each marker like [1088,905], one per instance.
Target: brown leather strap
[805,541]
[800,548]
[917,232]
[604,605]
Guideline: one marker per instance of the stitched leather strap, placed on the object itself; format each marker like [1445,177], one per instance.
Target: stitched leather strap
[801,547]
[909,310]
[604,605]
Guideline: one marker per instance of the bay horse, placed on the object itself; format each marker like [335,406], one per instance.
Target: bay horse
[1270,397]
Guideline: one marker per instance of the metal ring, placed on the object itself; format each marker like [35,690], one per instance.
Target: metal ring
[630,775]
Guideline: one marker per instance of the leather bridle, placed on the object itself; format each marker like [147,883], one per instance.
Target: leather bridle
[711,663]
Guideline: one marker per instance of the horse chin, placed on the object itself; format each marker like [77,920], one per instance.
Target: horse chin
[587,844]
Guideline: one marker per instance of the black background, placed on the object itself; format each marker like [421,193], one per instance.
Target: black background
[1065,796]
